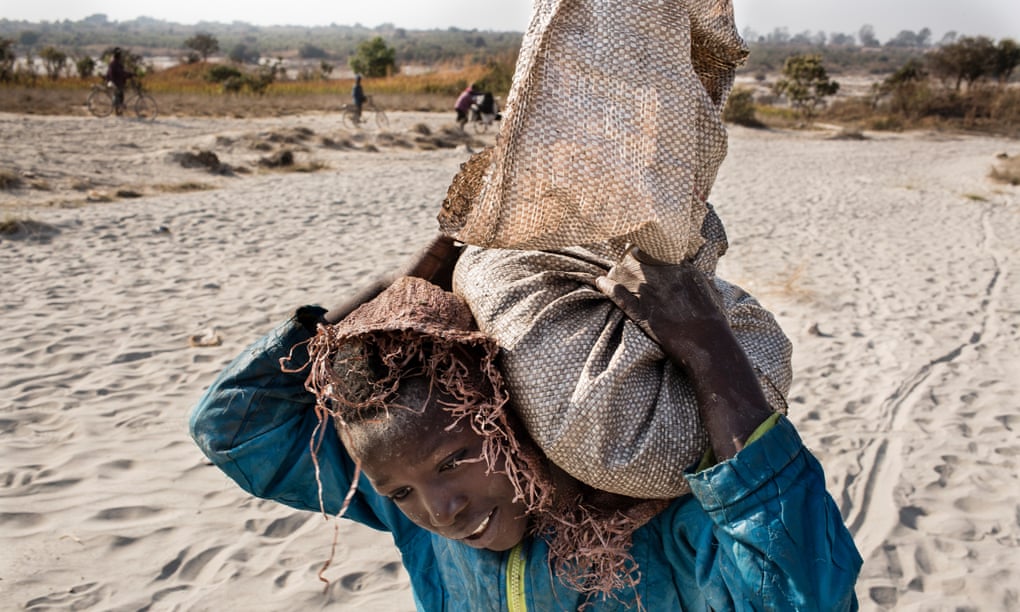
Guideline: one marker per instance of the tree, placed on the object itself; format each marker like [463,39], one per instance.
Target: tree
[1007,57]
[867,36]
[924,37]
[838,39]
[778,36]
[806,84]
[204,44]
[968,59]
[242,53]
[374,59]
[310,51]
[906,38]
[54,61]
[7,60]
[86,66]
[906,88]
[28,38]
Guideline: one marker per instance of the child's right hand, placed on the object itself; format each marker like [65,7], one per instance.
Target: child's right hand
[675,304]
[679,308]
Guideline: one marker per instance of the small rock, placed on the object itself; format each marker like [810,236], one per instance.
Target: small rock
[817,331]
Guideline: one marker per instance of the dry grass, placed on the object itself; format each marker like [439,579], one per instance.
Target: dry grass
[186,187]
[1007,170]
[9,179]
[792,282]
[183,91]
[14,227]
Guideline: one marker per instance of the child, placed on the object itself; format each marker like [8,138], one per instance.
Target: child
[415,400]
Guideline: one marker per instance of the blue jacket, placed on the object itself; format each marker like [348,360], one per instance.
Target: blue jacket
[759,531]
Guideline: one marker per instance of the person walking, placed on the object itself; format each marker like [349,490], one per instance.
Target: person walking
[117,75]
[358,96]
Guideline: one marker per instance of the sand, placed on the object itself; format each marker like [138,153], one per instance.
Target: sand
[890,261]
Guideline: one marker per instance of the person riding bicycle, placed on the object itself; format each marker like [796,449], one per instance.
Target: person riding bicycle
[117,75]
[485,105]
[464,102]
[358,96]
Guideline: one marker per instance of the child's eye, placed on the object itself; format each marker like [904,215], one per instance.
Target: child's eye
[453,461]
[400,494]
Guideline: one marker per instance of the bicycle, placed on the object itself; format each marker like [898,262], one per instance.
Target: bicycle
[484,113]
[352,119]
[100,101]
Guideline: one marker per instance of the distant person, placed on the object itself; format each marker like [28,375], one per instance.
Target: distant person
[487,106]
[464,102]
[358,96]
[117,75]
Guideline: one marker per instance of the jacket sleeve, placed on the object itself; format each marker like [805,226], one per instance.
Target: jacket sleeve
[256,423]
[775,539]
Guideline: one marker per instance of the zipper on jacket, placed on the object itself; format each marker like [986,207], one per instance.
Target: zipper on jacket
[515,569]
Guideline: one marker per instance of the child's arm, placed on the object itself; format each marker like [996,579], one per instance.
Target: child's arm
[775,537]
[256,421]
[680,309]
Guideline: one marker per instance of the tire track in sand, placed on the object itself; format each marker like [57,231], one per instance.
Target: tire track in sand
[882,458]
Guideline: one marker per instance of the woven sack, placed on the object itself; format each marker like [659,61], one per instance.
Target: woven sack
[612,132]
[596,394]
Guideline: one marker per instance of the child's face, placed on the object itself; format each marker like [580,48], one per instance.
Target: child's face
[438,480]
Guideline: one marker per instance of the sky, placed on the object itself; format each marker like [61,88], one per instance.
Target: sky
[994,18]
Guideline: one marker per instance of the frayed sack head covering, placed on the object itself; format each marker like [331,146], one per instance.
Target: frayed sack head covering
[414,328]
[411,328]
[612,131]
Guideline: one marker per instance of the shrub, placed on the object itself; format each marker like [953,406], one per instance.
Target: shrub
[374,59]
[54,60]
[220,73]
[242,53]
[234,84]
[9,179]
[309,51]
[1005,108]
[86,66]
[1007,171]
[204,44]
[740,109]
[805,83]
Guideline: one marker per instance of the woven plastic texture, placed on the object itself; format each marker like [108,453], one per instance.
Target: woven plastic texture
[597,394]
[612,132]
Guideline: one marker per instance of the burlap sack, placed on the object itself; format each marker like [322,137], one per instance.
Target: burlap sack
[612,131]
[597,394]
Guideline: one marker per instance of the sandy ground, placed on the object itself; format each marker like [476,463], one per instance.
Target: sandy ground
[891,262]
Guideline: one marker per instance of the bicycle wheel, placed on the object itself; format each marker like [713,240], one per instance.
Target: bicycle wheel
[381,120]
[347,118]
[145,107]
[481,125]
[100,103]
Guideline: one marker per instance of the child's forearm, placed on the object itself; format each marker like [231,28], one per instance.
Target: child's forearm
[730,400]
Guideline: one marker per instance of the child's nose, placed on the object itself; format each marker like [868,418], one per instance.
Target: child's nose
[443,508]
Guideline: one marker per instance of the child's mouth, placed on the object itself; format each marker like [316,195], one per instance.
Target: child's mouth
[481,527]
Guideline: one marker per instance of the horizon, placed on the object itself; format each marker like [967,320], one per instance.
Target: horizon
[979,17]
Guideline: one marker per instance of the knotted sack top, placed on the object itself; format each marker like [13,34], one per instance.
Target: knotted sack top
[612,132]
